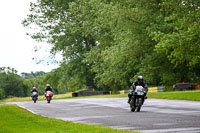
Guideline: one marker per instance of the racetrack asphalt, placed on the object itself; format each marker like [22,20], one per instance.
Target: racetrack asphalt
[156,116]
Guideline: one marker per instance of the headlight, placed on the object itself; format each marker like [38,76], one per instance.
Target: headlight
[140,93]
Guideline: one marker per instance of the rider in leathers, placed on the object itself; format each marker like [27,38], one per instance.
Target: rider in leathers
[139,82]
[48,88]
[34,90]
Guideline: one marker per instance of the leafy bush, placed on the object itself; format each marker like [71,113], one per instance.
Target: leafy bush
[169,88]
[2,94]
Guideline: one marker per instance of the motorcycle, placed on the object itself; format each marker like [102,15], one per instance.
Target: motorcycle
[34,96]
[138,96]
[49,96]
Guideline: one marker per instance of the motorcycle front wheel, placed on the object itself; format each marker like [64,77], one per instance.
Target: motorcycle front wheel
[132,107]
[139,105]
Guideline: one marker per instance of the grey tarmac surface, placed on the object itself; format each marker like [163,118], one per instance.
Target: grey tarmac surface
[156,116]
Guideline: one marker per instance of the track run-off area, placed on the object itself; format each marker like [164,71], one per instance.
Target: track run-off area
[156,116]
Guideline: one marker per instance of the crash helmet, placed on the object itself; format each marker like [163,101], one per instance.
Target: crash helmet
[34,88]
[140,78]
[48,85]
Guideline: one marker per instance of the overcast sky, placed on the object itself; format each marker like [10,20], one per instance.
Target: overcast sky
[16,48]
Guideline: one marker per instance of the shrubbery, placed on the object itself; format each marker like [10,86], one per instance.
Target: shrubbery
[2,95]
[12,84]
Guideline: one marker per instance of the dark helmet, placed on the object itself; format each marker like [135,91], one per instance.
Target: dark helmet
[140,78]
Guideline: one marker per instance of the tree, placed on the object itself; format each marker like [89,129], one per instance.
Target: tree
[12,84]
[2,95]
[108,43]
[32,74]
[177,40]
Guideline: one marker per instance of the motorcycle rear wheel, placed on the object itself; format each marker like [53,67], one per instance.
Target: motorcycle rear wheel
[132,109]
[48,101]
[138,108]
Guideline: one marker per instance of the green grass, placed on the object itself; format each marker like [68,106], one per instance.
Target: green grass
[177,95]
[14,119]
[40,98]
[59,96]
[107,96]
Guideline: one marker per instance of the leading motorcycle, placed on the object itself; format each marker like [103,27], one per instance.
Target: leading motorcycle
[49,96]
[34,96]
[138,96]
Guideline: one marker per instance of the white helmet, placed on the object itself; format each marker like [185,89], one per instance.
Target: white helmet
[140,78]
[34,88]
[48,85]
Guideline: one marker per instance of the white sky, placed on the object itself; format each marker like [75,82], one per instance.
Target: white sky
[16,48]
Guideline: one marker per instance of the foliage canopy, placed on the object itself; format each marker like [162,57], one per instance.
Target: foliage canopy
[107,43]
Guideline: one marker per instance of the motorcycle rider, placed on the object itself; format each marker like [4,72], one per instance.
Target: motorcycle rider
[34,89]
[48,88]
[138,82]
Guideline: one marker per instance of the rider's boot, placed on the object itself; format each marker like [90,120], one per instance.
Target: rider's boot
[129,100]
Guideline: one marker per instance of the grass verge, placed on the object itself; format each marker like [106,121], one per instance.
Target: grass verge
[17,120]
[40,98]
[59,96]
[177,95]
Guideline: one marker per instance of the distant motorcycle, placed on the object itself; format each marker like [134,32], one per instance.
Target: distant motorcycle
[138,95]
[34,96]
[49,96]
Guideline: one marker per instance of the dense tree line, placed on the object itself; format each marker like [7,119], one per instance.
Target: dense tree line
[108,43]
[11,84]
[54,78]
[32,74]
[14,85]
